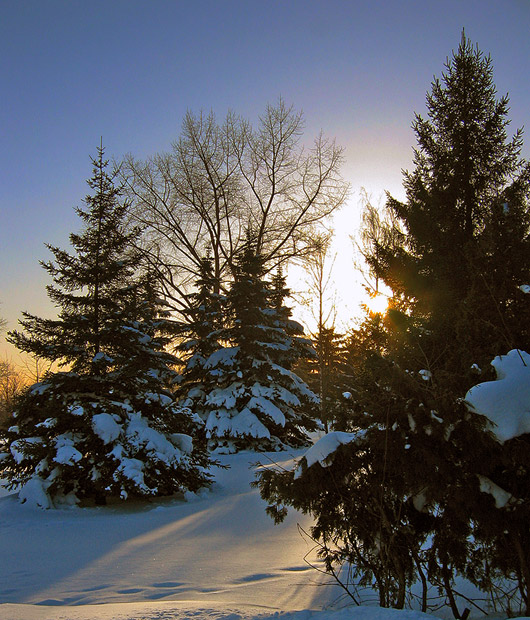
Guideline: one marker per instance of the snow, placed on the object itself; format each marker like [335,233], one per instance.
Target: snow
[66,454]
[226,397]
[163,399]
[246,423]
[220,424]
[426,375]
[48,423]
[220,550]
[501,497]
[525,288]
[225,420]
[324,448]
[76,410]
[276,392]
[102,357]
[17,447]
[183,442]
[140,434]
[34,492]
[106,427]
[142,338]
[216,557]
[222,357]
[198,611]
[420,502]
[505,401]
[134,470]
[268,408]
[39,388]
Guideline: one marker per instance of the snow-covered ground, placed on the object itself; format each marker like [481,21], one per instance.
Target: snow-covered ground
[217,556]
[190,610]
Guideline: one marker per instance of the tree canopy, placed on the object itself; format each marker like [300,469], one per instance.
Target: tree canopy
[221,178]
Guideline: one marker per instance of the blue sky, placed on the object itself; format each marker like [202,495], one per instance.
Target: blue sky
[128,70]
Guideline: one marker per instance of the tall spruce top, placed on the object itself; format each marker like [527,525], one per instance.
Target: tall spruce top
[95,289]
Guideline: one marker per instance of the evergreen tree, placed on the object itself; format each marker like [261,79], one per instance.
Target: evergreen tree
[407,502]
[465,225]
[259,402]
[106,425]
[456,278]
[328,374]
[200,334]
[300,347]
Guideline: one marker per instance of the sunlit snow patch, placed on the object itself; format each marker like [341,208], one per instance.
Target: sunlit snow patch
[324,448]
[505,401]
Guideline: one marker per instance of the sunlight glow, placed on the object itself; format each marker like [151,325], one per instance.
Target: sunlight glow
[377,303]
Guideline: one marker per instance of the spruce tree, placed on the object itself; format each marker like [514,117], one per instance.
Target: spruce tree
[199,335]
[458,303]
[465,224]
[106,425]
[407,502]
[300,347]
[258,402]
[458,256]
[328,374]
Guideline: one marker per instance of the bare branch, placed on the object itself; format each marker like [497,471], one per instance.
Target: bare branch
[220,179]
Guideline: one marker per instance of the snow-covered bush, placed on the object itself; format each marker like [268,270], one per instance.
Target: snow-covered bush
[92,447]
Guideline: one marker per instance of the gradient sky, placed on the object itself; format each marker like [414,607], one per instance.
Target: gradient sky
[127,70]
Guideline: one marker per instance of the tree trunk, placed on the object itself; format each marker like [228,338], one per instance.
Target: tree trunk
[446,576]
[424,586]
[524,571]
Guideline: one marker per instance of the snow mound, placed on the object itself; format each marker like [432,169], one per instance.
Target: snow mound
[34,492]
[505,401]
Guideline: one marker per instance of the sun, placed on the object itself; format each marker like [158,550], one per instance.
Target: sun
[377,303]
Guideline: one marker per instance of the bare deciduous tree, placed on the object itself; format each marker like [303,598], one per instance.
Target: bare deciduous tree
[11,384]
[319,279]
[321,301]
[379,229]
[221,179]
[3,324]
[35,368]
